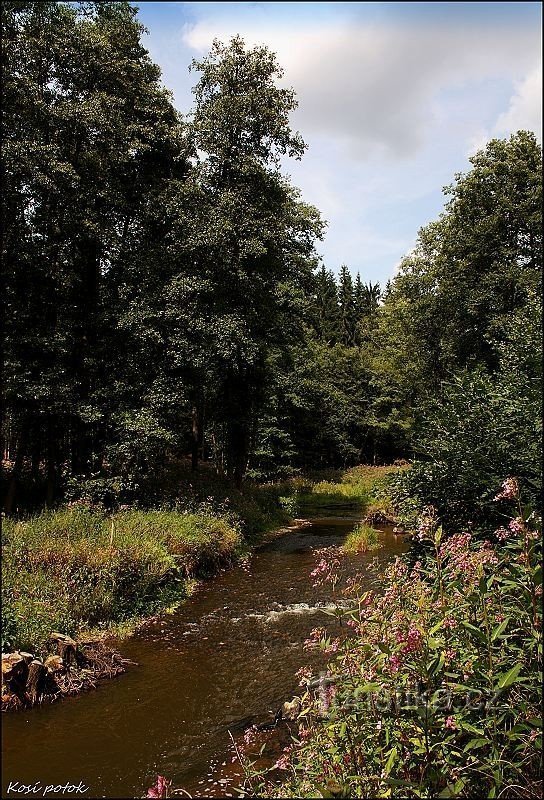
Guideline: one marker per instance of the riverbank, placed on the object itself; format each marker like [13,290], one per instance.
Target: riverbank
[89,573]
[436,691]
[225,661]
[81,571]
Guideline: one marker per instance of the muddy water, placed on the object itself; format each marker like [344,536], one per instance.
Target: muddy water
[227,659]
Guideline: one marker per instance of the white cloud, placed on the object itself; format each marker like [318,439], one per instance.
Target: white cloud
[525,109]
[389,109]
[372,87]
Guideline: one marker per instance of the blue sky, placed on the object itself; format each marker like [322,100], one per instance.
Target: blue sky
[393,99]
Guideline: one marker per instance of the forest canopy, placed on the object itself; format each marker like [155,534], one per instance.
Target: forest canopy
[165,300]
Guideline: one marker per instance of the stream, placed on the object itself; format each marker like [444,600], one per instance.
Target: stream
[226,659]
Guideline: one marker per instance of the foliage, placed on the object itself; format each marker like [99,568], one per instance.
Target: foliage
[152,263]
[357,487]
[79,568]
[362,539]
[437,690]
[482,427]
[164,298]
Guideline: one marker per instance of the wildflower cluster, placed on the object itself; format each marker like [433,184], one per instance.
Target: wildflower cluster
[436,690]
[326,570]
[509,490]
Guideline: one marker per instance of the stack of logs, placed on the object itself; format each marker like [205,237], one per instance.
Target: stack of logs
[69,669]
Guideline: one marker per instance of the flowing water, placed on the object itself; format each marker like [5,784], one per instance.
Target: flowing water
[224,661]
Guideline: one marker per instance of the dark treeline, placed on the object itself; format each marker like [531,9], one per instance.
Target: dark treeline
[164,299]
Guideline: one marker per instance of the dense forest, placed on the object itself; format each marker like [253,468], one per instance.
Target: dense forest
[183,375]
[164,297]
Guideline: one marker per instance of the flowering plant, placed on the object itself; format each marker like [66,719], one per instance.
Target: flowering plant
[436,692]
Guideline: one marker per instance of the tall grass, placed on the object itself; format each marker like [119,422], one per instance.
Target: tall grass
[355,488]
[362,539]
[77,569]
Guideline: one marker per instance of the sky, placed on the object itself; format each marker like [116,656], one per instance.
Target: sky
[394,98]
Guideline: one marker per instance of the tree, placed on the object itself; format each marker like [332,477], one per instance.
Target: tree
[346,300]
[479,261]
[325,309]
[90,136]
[259,236]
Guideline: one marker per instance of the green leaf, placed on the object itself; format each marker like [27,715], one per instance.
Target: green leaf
[469,627]
[508,678]
[391,760]
[466,726]
[500,629]
[474,744]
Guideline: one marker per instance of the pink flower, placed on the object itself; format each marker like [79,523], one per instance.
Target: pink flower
[509,490]
[303,674]
[160,789]
[516,526]
[250,734]
[325,571]
[456,545]
[450,622]
[502,534]
[412,641]
[395,663]
[315,637]
[327,696]
[450,723]
[416,569]
[284,760]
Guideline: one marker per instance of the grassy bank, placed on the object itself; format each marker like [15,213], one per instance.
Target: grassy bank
[84,570]
[362,539]
[362,488]
[78,568]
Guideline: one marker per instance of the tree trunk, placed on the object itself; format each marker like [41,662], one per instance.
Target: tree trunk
[66,648]
[195,439]
[16,472]
[51,464]
[35,683]
[15,674]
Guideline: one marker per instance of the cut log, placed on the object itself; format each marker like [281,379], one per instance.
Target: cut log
[35,682]
[54,664]
[15,674]
[66,648]
[28,657]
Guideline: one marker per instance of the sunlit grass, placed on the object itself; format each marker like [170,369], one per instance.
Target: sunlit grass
[78,568]
[362,540]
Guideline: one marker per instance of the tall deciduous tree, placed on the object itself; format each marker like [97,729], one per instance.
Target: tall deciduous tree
[90,134]
[259,235]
